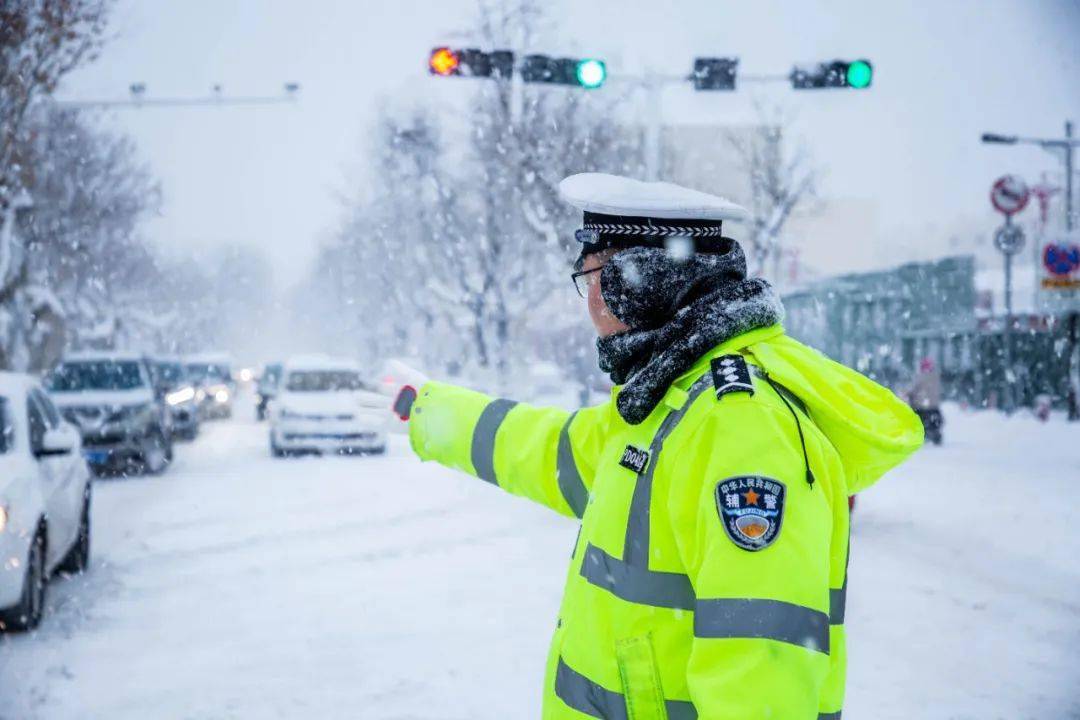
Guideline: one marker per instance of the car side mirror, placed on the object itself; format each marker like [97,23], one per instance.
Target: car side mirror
[57,441]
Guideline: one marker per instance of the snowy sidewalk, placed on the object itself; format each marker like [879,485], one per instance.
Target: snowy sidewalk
[237,586]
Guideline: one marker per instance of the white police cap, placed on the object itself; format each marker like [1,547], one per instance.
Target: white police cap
[604,194]
[623,212]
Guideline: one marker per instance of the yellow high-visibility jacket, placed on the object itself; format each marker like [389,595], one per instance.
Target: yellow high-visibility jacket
[709,575]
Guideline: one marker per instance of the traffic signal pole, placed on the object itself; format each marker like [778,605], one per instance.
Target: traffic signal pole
[653,85]
[1074,316]
[709,74]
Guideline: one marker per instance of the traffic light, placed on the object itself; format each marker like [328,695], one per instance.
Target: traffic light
[715,73]
[444,61]
[856,74]
[470,62]
[588,73]
[591,73]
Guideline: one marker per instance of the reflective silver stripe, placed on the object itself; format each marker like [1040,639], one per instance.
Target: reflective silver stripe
[636,550]
[829,716]
[483,439]
[766,619]
[585,696]
[837,603]
[636,584]
[570,482]
[630,578]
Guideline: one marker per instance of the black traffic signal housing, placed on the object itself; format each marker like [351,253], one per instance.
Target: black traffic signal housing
[715,73]
[588,73]
[471,62]
[855,74]
[546,69]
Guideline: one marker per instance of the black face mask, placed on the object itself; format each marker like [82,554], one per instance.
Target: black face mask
[677,309]
[644,287]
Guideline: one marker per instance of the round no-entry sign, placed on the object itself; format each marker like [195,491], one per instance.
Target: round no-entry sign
[1009,194]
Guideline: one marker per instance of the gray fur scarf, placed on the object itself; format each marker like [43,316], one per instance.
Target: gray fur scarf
[677,308]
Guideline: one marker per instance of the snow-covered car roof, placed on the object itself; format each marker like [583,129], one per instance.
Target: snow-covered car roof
[210,358]
[165,359]
[102,356]
[320,362]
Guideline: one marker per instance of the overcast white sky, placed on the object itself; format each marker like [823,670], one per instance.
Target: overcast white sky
[945,71]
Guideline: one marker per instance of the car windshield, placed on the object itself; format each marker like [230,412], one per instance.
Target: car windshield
[96,375]
[208,372]
[323,381]
[271,375]
[168,373]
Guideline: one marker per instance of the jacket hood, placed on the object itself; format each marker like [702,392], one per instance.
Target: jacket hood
[871,428]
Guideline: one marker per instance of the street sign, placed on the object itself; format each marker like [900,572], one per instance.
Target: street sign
[1009,239]
[1009,194]
[1058,282]
[1061,266]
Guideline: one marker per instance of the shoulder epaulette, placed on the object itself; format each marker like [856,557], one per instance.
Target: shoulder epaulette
[730,374]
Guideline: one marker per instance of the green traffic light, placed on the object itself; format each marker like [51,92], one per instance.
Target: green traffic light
[591,73]
[859,74]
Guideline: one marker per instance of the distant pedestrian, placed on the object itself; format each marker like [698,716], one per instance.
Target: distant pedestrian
[925,399]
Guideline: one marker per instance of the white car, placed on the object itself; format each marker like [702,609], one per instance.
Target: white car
[324,405]
[44,500]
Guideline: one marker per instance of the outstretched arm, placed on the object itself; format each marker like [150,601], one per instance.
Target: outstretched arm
[545,454]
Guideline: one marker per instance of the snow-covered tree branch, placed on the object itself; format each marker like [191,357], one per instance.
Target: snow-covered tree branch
[782,179]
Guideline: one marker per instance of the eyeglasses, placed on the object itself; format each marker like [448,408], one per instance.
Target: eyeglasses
[582,280]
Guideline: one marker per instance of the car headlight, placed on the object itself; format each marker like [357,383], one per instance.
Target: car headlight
[181,396]
[3,517]
[220,393]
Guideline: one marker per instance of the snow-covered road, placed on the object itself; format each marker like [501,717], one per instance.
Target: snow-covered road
[237,586]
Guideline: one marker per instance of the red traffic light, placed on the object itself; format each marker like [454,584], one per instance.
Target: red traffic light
[444,61]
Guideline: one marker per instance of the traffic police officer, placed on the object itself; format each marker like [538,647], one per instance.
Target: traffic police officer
[710,571]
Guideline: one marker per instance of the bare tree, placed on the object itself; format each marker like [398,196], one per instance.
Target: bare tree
[83,252]
[782,179]
[41,41]
[460,242]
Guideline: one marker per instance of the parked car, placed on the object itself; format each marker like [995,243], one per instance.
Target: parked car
[266,389]
[212,373]
[110,398]
[45,492]
[325,405]
[178,394]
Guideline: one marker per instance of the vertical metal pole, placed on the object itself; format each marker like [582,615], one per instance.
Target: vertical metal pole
[1068,176]
[1007,399]
[1073,370]
[517,97]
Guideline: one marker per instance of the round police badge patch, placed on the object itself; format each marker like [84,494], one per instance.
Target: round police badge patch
[751,509]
